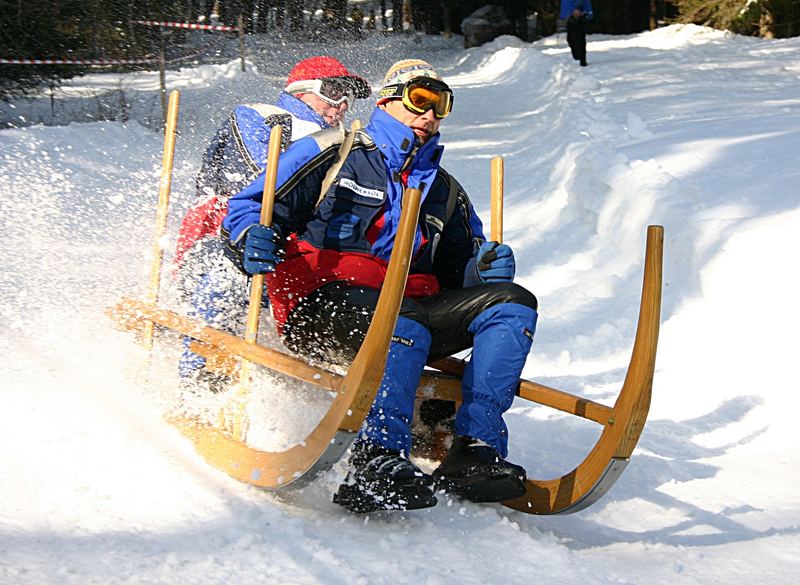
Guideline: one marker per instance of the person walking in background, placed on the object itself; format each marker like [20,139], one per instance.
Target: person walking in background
[577,13]
[318,93]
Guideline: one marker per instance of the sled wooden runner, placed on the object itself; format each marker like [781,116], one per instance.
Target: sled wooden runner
[592,478]
[622,424]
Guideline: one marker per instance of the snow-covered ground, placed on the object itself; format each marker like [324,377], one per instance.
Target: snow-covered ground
[689,128]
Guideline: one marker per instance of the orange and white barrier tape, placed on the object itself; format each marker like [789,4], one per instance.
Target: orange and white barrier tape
[190,25]
[75,61]
[188,55]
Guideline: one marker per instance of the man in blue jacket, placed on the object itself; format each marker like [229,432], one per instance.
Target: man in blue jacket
[318,93]
[325,257]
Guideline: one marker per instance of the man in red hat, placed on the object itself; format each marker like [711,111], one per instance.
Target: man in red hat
[318,93]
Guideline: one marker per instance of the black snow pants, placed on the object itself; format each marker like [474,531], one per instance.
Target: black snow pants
[576,38]
[330,324]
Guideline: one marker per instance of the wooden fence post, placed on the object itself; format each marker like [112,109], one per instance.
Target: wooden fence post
[162,76]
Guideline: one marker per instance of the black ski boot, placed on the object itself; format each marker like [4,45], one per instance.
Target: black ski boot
[382,479]
[475,471]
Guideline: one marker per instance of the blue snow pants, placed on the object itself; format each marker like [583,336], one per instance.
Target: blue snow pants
[216,292]
[497,320]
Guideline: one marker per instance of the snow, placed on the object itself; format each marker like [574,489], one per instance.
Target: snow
[686,127]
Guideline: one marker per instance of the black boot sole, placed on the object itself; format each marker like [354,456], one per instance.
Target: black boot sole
[484,488]
[360,502]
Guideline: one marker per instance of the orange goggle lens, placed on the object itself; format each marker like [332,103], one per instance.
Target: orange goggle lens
[419,99]
[420,95]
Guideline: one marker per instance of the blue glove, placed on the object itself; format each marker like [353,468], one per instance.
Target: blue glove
[493,263]
[261,250]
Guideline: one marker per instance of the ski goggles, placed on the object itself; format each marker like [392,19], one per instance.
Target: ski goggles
[332,90]
[422,94]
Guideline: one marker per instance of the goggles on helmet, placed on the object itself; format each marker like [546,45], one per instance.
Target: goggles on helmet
[422,94]
[331,90]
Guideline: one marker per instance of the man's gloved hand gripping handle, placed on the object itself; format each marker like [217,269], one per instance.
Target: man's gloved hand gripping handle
[492,263]
[262,249]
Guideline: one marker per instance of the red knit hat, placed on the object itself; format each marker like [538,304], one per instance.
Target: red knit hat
[324,67]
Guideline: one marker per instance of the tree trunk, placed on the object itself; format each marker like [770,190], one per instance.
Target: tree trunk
[653,14]
[295,9]
[446,17]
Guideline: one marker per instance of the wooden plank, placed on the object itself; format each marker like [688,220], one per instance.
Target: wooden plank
[535,392]
[496,194]
[235,413]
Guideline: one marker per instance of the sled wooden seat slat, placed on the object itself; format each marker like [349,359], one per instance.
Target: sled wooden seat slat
[130,313]
[453,369]
[443,385]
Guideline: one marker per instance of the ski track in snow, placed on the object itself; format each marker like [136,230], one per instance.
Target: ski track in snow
[685,127]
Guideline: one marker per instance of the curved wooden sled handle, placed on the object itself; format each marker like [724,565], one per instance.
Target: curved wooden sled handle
[606,461]
[354,393]
[622,423]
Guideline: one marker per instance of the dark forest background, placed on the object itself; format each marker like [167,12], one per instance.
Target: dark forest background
[103,29]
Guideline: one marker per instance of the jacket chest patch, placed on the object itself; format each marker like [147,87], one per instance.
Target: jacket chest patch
[360,189]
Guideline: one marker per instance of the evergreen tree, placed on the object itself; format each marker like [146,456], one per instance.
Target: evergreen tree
[765,18]
[73,29]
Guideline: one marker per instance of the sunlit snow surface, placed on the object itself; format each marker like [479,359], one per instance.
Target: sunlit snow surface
[693,129]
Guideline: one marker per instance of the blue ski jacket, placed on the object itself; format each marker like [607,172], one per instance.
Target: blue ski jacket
[238,151]
[349,233]
[585,6]
[237,155]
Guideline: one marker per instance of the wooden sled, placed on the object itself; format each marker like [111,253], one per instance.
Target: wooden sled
[225,448]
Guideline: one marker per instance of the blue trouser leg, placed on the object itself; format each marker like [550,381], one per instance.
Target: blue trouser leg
[216,300]
[203,307]
[503,335]
[388,422]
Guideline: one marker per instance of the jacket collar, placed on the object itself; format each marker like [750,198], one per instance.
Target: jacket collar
[396,141]
[298,108]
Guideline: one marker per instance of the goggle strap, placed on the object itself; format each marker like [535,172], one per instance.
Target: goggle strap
[392,91]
